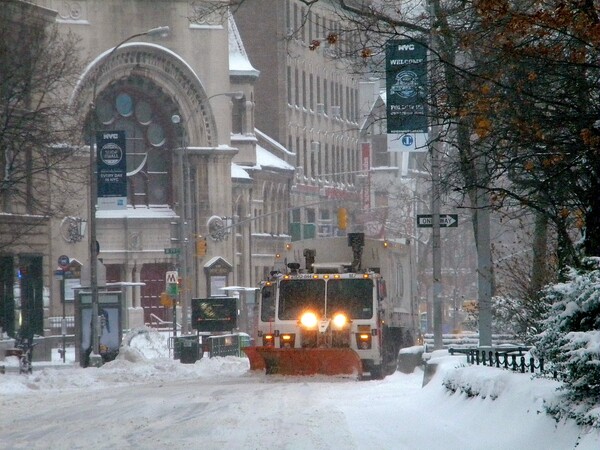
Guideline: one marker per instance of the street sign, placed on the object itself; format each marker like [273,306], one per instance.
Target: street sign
[63,261]
[171,277]
[59,275]
[171,281]
[446,220]
[172,251]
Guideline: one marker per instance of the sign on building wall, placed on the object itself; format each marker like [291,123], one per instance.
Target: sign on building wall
[366,168]
[406,96]
[112,170]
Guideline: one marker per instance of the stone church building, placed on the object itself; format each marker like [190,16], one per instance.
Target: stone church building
[207,194]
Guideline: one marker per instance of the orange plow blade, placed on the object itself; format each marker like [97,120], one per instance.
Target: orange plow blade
[305,361]
[256,360]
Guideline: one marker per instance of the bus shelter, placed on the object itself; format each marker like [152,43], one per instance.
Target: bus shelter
[112,320]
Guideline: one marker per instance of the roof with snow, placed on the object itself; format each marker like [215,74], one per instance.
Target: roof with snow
[239,64]
[265,158]
[272,142]
[239,172]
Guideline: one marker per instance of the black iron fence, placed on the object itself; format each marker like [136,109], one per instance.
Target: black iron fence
[512,358]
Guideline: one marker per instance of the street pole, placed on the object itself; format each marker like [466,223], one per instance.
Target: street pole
[183,236]
[436,250]
[184,202]
[63,322]
[175,315]
[436,247]
[93,243]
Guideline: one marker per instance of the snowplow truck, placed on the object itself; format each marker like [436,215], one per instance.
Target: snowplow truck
[325,310]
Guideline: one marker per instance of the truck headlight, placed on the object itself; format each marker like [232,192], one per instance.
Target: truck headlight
[309,320]
[340,320]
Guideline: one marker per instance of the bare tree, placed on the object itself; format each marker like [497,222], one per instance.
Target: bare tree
[38,69]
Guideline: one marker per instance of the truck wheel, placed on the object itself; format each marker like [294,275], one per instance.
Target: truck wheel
[377,373]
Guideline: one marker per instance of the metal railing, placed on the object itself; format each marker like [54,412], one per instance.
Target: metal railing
[157,322]
[510,358]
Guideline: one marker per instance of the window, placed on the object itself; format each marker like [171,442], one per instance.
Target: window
[325,95]
[238,115]
[304,89]
[296,215]
[267,308]
[295,25]
[138,108]
[311,92]
[297,296]
[302,16]
[318,89]
[305,157]
[296,87]
[353,297]
[289,84]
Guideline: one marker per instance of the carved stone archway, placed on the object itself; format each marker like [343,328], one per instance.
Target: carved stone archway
[165,69]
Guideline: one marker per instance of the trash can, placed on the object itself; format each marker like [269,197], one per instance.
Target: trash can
[187,349]
[245,341]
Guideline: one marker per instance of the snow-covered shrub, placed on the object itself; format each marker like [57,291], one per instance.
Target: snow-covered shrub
[519,317]
[570,342]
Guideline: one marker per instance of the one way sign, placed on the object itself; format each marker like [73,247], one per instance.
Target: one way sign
[446,220]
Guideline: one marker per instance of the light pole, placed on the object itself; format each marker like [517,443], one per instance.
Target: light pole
[184,188]
[185,213]
[93,244]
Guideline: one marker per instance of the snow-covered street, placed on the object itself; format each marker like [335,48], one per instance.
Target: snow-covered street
[156,402]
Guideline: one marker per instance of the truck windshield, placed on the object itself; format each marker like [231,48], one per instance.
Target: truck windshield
[297,296]
[353,297]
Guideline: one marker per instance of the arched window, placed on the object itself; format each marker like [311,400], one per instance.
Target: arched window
[140,109]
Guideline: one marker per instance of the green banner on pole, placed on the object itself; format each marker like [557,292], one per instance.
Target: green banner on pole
[406,87]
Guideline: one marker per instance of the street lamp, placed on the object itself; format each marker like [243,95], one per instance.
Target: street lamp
[237,95]
[93,244]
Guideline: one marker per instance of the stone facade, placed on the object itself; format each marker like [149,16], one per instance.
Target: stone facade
[307,101]
[187,106]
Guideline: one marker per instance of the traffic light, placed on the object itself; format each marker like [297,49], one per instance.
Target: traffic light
[342,215]
[201,246]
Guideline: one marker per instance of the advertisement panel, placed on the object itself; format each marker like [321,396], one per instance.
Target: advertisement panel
[406,83]
[214,314]
[112,170]
[109,326]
